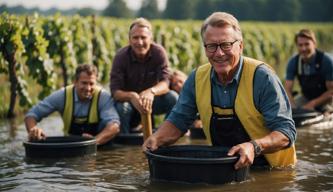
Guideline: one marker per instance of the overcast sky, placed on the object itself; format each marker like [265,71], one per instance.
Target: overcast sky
[67,4]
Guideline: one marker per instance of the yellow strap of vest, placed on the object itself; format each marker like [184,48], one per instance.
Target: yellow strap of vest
[68,109]
[250,118]
[221,111]
[203,99]
[93,113]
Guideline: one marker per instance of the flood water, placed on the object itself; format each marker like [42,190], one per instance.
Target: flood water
[125,168]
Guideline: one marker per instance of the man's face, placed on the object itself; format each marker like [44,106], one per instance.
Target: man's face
[140,39]
[177,83]
[306,47]
[223,61]
[85,85]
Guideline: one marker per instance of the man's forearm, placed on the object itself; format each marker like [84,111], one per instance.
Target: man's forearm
[167,134]
[123,96]
[161,88]
[30,122]
[323,98]
[110,130]
[273,142]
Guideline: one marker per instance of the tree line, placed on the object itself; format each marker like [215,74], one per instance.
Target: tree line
[244,10]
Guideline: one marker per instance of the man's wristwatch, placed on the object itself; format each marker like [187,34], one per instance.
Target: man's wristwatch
[153,91]
[257,149]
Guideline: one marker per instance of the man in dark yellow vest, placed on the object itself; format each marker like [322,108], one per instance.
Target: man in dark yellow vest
[241,102]
[86,109]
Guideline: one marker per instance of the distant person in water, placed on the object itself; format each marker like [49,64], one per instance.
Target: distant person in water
[314,71]
[86,109]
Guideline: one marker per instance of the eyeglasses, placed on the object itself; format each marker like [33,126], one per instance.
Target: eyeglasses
[225,46]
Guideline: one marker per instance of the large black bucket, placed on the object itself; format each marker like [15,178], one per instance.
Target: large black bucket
[60,147]
[197,133]
[129,139]
[194,164]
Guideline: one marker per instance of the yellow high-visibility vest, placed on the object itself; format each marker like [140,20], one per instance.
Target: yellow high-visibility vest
[249,116]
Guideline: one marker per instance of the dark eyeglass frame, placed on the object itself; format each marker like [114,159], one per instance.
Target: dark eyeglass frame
[225,46]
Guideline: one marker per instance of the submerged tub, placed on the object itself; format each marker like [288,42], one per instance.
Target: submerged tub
[60,147]
[129,139]
[194,164]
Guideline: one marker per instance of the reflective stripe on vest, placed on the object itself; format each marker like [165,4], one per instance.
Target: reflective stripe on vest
[245,109]
[67,115]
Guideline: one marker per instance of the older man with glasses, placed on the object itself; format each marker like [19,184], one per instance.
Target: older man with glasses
[241,102]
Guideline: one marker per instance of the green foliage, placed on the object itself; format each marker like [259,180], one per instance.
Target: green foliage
[12,49]
[60,48]
[101,55]
[38,62]
[82,36]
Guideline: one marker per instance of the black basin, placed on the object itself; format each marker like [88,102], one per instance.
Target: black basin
[303,117]
[197,133]
[129,139]
[194,164]
[60,147]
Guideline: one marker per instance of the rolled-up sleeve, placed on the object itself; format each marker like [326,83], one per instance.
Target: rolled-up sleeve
[272,101]
[107,111]
[54,102]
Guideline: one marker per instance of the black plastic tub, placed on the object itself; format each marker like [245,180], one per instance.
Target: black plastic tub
[197,133]
[194,164]
[60,147]
[304,117]
[129,139]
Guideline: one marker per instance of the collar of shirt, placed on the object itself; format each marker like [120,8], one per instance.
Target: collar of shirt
[76,97]
[236,76]
[311,61]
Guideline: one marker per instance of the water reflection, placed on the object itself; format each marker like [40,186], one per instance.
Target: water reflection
[124,168]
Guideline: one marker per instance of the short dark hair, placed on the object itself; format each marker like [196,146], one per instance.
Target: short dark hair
[306,33]
[88,68]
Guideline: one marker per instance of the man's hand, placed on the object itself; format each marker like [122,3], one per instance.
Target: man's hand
[246,152]
[150,144]
[147,98]
[36,133]
[309,106]
[87,135]
[137,103]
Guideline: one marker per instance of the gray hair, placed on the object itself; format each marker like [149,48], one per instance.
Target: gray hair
[141,22]
[222,19]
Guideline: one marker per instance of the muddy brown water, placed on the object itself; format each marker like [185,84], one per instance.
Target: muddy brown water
[125,168]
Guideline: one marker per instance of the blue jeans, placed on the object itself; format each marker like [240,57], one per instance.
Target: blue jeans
[130,117]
